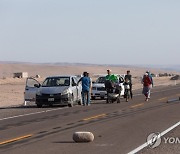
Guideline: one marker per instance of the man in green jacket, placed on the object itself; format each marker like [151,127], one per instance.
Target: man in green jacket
[111,77]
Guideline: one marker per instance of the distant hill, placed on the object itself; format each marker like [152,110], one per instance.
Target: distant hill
[165,67]
[47,69]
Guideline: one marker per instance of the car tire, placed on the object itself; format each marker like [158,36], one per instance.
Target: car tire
[50,105]
[71,104]
[118,100]
[93,97]
[80,102]
[39,105]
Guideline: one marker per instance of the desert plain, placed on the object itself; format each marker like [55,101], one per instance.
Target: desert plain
[12,89]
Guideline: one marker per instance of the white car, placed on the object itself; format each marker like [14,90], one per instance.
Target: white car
[98,87]
[61,90]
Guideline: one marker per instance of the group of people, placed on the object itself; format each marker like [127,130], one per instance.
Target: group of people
[127,83]
[147,82]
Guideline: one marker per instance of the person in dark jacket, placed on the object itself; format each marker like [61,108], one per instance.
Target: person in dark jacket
[86,85]
[129,77]
[126,89]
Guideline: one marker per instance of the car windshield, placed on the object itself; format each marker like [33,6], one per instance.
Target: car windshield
[101,80]
[56,81]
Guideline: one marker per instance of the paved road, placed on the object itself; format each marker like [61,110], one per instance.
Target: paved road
[118,128]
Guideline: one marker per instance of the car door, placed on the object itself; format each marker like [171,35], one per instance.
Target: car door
[31,89]
[78,88]
[121,81]
[74,88]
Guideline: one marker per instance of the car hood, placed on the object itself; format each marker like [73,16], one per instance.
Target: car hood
[98,85]
[52,90]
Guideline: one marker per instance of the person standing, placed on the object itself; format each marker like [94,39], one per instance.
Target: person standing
[90,90]
[108,74]
[152,83]
[128,76]
[110,82]
[146,86]
[126,89]
[86,83]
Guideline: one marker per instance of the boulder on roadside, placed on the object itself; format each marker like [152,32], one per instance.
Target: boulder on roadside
[176,77]
[83,137]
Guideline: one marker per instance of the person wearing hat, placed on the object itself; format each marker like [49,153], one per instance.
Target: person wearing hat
[146,86]
[152,84]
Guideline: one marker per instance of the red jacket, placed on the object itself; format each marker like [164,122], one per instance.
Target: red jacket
[147,81]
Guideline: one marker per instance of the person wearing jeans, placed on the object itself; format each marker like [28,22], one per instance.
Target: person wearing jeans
[86,84]
[86,98]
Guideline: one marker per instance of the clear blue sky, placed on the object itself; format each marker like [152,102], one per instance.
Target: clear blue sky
[90,31]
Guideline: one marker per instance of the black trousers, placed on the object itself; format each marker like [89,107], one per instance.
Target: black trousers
[131,94]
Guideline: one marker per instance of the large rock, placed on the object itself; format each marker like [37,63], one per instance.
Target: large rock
[83,137]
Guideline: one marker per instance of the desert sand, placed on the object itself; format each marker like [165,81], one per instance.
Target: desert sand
[12,89]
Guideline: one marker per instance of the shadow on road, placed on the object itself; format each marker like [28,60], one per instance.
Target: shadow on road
[64,142]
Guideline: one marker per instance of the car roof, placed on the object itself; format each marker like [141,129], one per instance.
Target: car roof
[57,76]
[119,75]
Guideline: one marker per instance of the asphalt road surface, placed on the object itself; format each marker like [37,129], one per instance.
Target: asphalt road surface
[118,128]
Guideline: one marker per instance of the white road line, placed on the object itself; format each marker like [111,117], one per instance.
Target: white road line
[161,134]
[23,115]
[64,108]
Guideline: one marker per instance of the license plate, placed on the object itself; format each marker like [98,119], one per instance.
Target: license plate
[102,94]
[50,99]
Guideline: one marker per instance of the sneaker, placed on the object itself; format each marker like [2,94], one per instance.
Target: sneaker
[146,99]
[88,104]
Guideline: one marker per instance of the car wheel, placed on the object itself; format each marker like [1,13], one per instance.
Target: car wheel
[71,104]
[93,97]
[39,105]
[118,100]
[50,105]
[80,102]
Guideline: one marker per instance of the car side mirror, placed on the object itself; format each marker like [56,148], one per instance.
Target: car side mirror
[37,85]
[93,82]
[74,84]
[121,80]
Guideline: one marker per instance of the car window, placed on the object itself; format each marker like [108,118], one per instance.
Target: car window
[56,81]
[121,80]
[74,82]
[101,80]
[31,82]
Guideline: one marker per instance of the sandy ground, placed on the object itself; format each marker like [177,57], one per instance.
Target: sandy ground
[12,90]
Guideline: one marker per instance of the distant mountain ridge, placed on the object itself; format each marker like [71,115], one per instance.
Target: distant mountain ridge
[162,67]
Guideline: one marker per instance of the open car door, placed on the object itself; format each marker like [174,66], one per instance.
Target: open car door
[30,90]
